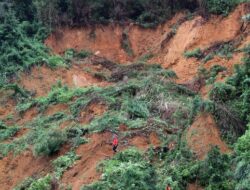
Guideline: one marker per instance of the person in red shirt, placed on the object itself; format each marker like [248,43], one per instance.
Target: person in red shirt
[168,187]
[115,143]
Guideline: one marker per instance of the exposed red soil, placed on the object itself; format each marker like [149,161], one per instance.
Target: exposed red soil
[107,39]
[203,134]
[99,148]
[198,33]
[42,78]
[7,106]
[84,171]
[91,111]
[106,42]
[52,109]
[15,169]
[28,115]
[194,186]
[191,34]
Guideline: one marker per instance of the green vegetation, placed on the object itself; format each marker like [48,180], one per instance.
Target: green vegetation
[21,46]
[127,170]
[143,97]
[242,173]
[71,54]
[126,44]
[197,53]
[43,183]
[7,132]
[221,6]
[63,163]
[49,142]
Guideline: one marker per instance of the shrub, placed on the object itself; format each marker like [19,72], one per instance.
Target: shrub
[221,92]
[225,51]
[215,171]
[136,109]
[62,163]
[83,54]
[55,61]
[169,74]
[197,53]
[242,172]
[31,183]
[43,183]
[8,132]
[109,120]
[127,170]
[69,54]
[220,6]
[49,142]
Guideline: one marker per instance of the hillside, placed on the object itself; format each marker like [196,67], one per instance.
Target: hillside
[170,79]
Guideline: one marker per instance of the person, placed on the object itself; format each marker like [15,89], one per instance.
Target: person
[168,187]
[115,143]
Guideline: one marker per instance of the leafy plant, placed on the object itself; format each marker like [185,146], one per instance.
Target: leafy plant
[49,142]
[62,163]
[221,92]
[197,53]
[127,170]
[8,132]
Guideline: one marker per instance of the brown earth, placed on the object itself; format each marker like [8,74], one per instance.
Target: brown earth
[190,34]
[14,170]
[7,105]
[203,134]
[99,148]
[194,186]
[91,111]
[52,109]
[106,41]
[40,79]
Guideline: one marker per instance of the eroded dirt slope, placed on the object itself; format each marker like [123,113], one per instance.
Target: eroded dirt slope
[203,134]
[167,47]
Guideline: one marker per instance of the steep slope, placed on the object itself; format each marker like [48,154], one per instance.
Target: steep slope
[203,134]
[167,42]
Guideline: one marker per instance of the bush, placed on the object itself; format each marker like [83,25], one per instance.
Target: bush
[220,6]
[41,184]
[30,183]
[197,53]
[215,171]
[221,92]
[110,120]
[136,109]
[127,170]
[69,54]
[242,172]
[49,142]
[62,163]
[8,132]
[55,61]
